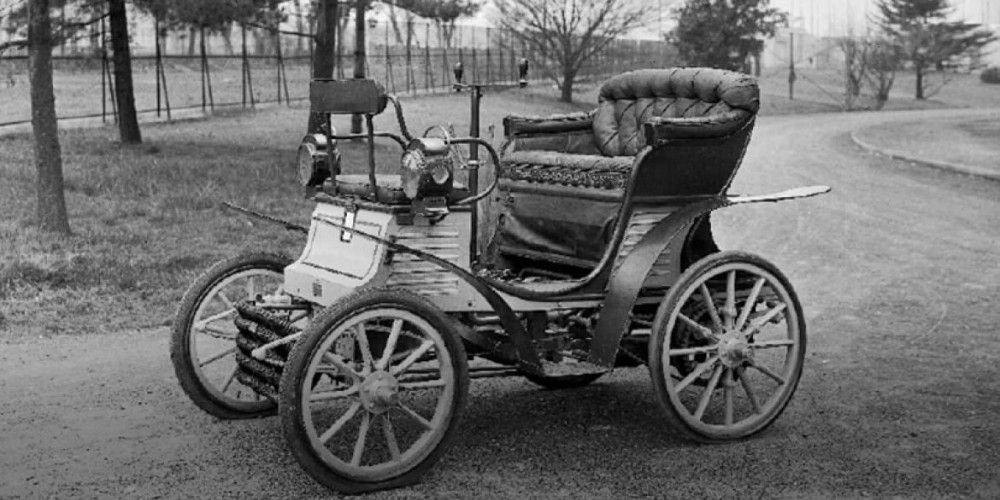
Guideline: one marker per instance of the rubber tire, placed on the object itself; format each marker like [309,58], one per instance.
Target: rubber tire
[298,362]
[180,354]
[700,267]
[565,381]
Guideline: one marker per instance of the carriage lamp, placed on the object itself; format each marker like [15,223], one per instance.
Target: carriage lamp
[427,170]
[314,159]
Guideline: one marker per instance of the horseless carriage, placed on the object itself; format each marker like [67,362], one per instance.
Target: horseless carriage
[598,254]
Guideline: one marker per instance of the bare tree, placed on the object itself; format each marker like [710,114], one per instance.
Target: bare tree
[48,156]
[855,51]
[323,56]
[564,34]
[128,124]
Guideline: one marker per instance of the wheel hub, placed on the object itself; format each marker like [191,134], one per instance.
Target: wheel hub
[734,351]
[379,392]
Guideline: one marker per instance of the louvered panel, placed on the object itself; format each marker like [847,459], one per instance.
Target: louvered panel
[411,273]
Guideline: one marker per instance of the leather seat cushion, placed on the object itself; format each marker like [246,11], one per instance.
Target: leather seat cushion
[629,100]
[390,188]
[550,167]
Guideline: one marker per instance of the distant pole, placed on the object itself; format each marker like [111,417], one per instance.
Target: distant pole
[791,66]
[159,61]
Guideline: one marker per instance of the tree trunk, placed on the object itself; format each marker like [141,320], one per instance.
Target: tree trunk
[323,56]
[919,70]
[48,157]
[128,125]
[359,53]
[566,89]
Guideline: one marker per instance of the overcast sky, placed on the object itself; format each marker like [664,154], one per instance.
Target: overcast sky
[837,17]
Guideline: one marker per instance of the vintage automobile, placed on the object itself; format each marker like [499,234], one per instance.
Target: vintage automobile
[598,253]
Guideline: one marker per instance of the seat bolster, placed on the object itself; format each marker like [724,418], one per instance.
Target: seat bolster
[592,171]
[553,124]
[659,130]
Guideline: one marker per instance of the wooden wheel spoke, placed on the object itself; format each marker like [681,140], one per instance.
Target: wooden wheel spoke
[342,367]
[416,416]
[359,445]
[713,312]
[760,321]
[390,344]
[707,395]
[217,332]
[694,350]
[225,300]
[412,358]
[338,394]
[750,303]
[251,289]
[770,344]
[728,396]
[730,309]
[754,403]
[696,373]
[216,357]
[390,437]
[422,384]
[366,353]
[203,324]
[703,330]
[339,424]
[767,371]
[229,379]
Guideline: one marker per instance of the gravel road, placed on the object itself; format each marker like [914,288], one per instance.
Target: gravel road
[897,269]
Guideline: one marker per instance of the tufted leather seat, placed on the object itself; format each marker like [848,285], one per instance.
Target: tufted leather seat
[677,132]
[635,109]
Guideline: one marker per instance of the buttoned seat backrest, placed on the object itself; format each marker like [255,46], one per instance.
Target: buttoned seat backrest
[629,100]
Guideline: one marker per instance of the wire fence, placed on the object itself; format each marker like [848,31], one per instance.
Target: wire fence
[247,65]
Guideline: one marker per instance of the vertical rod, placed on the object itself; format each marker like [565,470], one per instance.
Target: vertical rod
[203,64]
[104,72]
[476,96]
[243,69]
[159,61]
[371,156]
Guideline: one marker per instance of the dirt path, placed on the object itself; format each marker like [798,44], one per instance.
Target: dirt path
[897,270]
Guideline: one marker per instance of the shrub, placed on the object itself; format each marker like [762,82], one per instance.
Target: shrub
[990,75]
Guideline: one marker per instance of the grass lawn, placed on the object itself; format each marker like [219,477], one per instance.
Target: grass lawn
[146,220]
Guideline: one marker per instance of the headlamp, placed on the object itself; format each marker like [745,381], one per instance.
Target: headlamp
[427,169]
[314,159]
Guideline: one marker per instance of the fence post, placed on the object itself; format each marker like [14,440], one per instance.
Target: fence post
[489,62]
[428,78]
[104,73]
[159,61]
[410,84]
[206,77]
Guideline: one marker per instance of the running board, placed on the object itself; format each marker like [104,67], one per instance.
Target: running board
[574,367]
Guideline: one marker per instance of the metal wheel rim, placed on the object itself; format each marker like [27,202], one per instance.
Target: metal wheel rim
[762,412]
[222,389]
[420,449]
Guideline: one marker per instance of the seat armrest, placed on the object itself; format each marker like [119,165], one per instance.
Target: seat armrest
[552,124]
[660,130]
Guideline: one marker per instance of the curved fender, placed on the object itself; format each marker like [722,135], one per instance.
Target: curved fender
[626,283]
[528,358]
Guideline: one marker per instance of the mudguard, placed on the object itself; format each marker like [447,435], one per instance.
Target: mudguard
[626,284]
[528,359]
